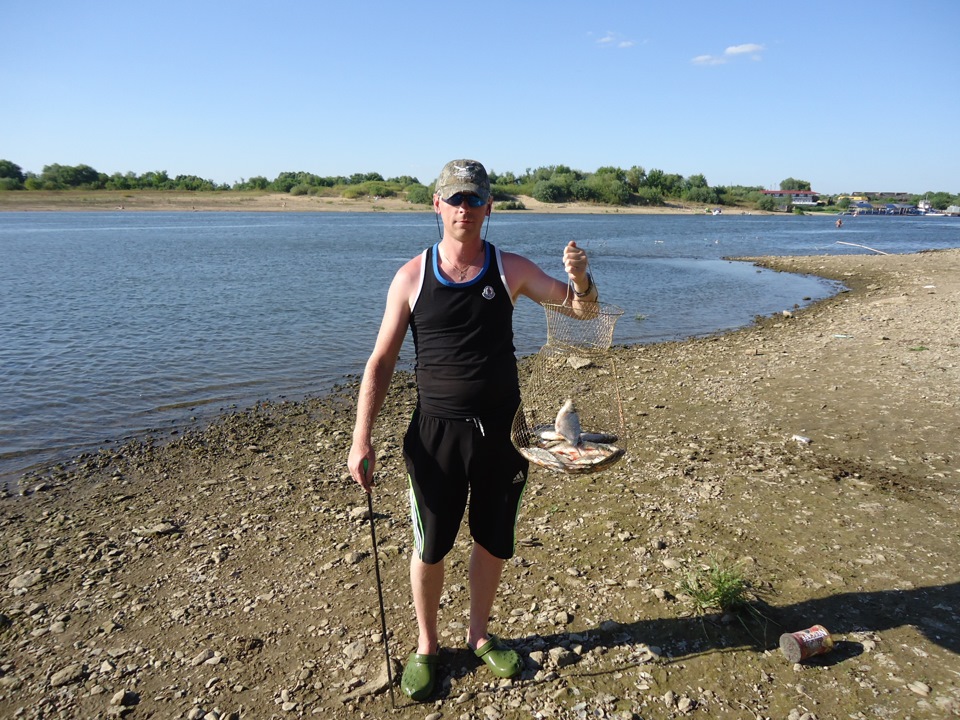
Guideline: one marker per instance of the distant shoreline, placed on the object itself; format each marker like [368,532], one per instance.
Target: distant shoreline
[253,201]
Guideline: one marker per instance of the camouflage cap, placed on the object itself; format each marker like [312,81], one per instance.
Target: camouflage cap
[463,176]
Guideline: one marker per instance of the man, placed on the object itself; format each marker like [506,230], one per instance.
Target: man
[457,297]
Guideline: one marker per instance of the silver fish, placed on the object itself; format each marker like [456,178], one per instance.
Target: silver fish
[543,458]
[567,424]
[566,458]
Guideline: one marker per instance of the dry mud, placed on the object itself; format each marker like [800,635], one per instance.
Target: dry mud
[227,572]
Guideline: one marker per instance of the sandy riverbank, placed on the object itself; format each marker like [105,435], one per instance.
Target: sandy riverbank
[230,569]
[146,201]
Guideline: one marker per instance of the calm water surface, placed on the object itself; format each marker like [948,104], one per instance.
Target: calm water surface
[119,324]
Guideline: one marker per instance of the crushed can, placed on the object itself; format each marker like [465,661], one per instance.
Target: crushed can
[803,644]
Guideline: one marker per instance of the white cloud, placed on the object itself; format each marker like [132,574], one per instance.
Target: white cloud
[708,60]
[751,49]
[612,39]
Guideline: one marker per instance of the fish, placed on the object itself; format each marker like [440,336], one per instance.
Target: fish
[545,435]
[598,437]
[567,424]
[565,447]
[543,458]
[572,460]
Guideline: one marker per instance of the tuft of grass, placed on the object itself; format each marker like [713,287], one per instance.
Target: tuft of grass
[717,586]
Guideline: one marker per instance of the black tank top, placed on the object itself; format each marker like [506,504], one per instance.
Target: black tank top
[463,336]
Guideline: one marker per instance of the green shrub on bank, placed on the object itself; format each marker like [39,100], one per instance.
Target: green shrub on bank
[419,194]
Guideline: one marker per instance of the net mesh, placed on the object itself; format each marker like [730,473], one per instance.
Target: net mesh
[576,364]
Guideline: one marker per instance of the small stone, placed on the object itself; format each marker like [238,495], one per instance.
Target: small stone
[352,558]
[561,657]
[920,688]
[161,528]
[66,676]
[492,713]
[25,580]
[125,699]
[202,657]
[434,716]
[355,650]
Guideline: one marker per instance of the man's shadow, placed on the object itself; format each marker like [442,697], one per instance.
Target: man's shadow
[933,611]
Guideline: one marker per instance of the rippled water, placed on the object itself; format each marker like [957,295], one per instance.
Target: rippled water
[116,324]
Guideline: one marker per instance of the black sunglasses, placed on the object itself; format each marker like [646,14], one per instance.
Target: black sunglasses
[473,201]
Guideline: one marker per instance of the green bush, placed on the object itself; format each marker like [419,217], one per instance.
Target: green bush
[649,196]
[700,194]
[510,205]
[547,191]
[352,192]
[419,195]
[603,187]
[300,189]
[767,203]
[717,586]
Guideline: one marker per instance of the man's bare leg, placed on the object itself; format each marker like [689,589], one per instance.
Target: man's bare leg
[485,571]
[426,582]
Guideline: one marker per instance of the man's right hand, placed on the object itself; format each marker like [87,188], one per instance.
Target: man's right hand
[361,463]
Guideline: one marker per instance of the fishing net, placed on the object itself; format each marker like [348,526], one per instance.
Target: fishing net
[575,365]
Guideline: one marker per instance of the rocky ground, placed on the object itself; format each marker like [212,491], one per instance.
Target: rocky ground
[228,572]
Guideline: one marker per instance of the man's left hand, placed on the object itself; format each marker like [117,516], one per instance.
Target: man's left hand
[575,263]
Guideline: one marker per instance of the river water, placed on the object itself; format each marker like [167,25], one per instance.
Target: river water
[119,324]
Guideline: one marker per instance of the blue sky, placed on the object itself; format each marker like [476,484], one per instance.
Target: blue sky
[850,97]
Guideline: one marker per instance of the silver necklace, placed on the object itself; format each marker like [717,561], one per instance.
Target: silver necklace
[462,271]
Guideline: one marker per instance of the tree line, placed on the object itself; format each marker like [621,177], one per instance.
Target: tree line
[550,184]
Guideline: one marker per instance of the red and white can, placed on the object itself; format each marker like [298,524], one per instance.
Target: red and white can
[803,644]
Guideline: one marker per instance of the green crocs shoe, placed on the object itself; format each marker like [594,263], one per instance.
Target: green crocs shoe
[419,676]
[502,661]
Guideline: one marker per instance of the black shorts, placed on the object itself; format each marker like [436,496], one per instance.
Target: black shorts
[446,458]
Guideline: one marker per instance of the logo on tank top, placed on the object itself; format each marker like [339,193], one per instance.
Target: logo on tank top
[488,293]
